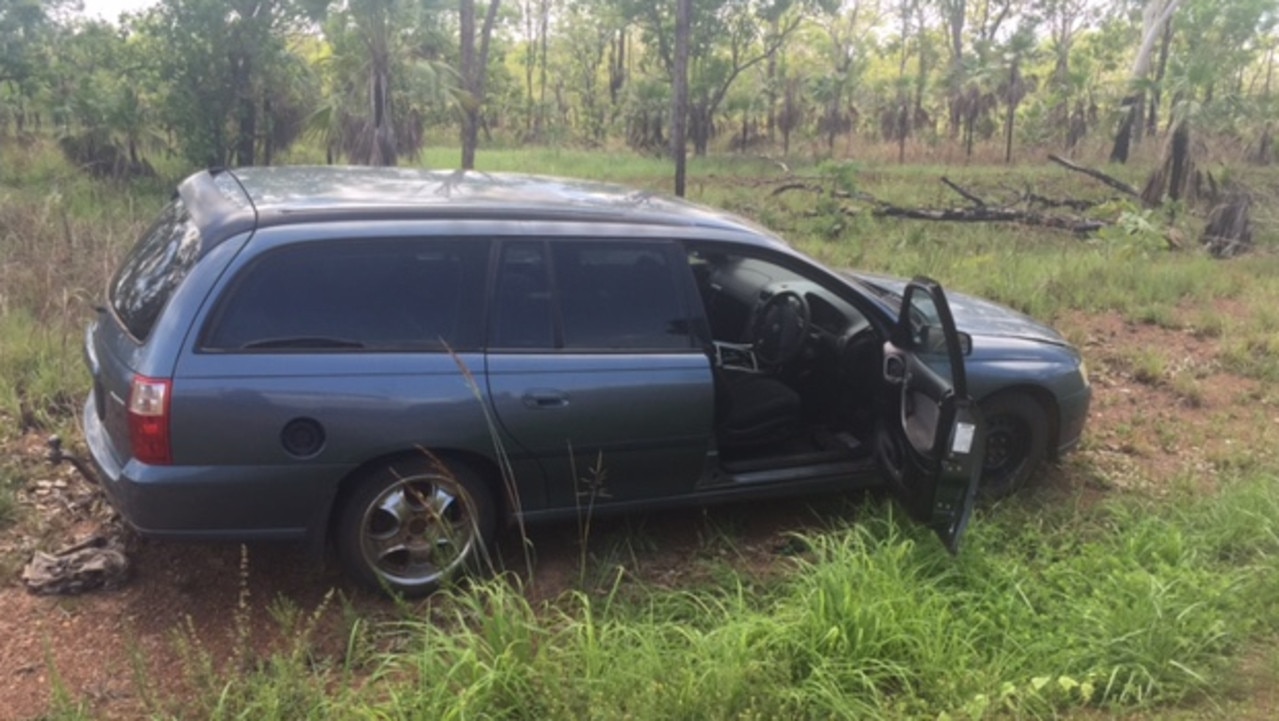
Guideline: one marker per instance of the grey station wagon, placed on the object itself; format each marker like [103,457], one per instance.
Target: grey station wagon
[397,361]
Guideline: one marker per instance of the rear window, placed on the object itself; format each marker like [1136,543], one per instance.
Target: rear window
[154,269]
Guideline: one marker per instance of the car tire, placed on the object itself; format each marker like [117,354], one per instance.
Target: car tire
[413,524]
[1016,443]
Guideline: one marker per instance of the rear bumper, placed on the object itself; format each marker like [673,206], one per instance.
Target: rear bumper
[233,503]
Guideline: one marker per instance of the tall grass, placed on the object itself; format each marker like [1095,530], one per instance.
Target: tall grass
[61,237]
[1125,606]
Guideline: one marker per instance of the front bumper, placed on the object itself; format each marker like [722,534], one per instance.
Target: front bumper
[1073,416]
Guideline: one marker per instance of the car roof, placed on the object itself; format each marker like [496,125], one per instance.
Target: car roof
[229,201]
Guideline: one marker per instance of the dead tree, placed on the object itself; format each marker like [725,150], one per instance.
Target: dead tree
[1229,230]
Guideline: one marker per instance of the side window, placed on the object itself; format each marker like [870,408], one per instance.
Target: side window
[619,295]
[522,310]
[387,295]
[927,334]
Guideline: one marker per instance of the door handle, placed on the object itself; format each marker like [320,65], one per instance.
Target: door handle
[545,398]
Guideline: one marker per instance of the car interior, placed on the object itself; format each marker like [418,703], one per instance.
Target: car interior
[797,367]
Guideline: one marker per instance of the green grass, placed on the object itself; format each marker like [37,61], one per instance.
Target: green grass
[1129,605]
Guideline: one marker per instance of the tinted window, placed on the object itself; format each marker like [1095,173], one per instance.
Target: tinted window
[620,295]
[522,313]
[154,268]
[374,295]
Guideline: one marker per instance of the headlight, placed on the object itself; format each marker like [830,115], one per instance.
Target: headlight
[1083,372]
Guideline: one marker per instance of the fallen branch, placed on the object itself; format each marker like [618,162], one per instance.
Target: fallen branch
[787,187]
[967,195]
[990,215]
[816,188]
[1043,201]
[1096,174]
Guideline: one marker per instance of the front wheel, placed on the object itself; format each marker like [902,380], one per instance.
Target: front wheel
[412,524]
[1016,443]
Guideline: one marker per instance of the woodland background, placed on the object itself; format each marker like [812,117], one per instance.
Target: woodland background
[191,83]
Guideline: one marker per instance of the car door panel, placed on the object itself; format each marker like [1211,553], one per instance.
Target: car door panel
[607,427]
[593,371]
[931,442]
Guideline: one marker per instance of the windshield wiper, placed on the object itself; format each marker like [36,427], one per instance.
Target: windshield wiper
[303,341]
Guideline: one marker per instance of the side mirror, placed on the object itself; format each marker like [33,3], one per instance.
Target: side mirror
[933,340]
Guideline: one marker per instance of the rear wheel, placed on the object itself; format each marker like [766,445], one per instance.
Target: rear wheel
[1016,443]
[413,524]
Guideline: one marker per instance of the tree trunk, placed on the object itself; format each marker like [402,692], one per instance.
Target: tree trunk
[474,71]
[466,63]
[700,126]
[1123,138]
[679,97]
[544,12]
[268,138]
[382,148]
[1155,16]
[246,113]
[617,67]
[1152,118]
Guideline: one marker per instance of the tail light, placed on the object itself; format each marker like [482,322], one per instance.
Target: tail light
[149,420]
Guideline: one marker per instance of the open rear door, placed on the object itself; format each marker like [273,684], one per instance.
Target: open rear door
[931,438]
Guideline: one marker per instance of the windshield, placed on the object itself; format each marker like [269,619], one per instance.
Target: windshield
[153,269]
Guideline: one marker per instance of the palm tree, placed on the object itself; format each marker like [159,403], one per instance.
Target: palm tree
[384,79]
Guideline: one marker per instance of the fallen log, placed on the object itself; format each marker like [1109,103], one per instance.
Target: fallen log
[1031,198]
[1096,174]
[990,215]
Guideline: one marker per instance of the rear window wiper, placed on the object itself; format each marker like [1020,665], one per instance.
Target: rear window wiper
[302,341]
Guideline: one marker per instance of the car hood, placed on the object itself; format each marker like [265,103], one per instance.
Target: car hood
[973,315]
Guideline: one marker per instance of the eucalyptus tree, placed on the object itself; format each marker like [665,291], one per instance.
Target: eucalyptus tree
[954,16]
[905,13]
[26,29]
[102,97]
[223,96]
[1218,42]
[726,38]
[592,44]
[1155,15]
[848,28]
[679,90]
[473,54]
[535,18]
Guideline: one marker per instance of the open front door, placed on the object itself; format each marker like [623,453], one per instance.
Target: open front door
[931,437]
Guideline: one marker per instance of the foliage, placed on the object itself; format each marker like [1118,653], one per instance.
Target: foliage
[385,79]
[237,82]
[233,90]
[1127,606]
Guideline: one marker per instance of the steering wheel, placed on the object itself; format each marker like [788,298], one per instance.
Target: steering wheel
[780,327]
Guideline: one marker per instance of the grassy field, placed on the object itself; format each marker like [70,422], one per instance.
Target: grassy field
[1095,594]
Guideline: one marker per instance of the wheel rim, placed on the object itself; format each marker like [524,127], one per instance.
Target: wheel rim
[418,530]
[1007,446]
